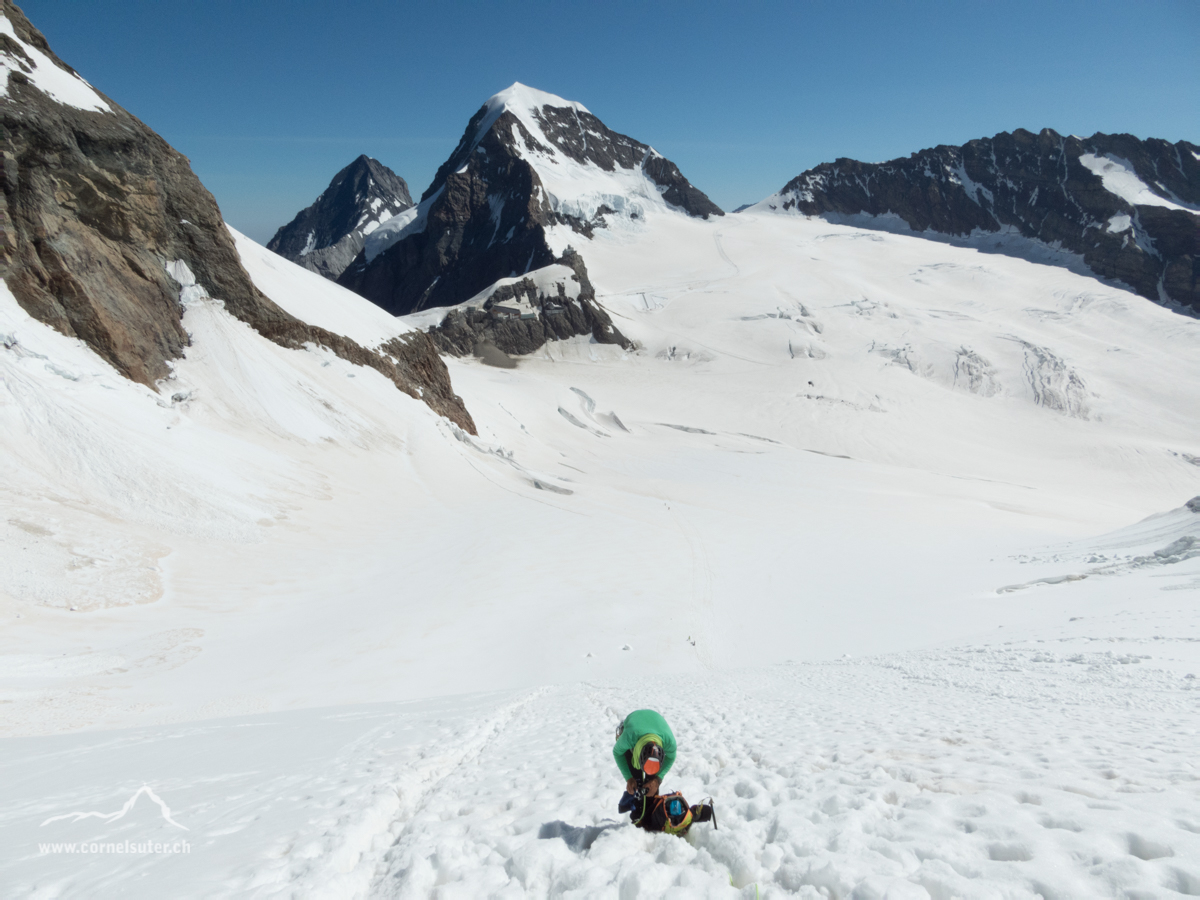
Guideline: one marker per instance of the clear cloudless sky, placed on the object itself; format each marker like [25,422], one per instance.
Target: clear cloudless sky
[270,98]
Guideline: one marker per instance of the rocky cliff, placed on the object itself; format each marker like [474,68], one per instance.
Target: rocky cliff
[518,315]
[1129,207]
[325,237]
[96,205]
[531,170]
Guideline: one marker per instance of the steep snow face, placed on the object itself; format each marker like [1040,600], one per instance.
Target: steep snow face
[1128,209]
[398,227]
[315,300]
[1120,177]
[42,72]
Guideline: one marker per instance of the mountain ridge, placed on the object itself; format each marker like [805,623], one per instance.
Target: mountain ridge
[96,206]
[1129,207]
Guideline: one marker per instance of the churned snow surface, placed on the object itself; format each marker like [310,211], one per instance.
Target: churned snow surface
[894,533]
[62,86]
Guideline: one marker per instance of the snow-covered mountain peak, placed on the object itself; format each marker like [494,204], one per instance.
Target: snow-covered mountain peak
[531,175]
[587,170]
[524,102]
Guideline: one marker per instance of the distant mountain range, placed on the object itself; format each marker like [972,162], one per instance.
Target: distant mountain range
[1129,208]
[96,205]
[532,167]
[327,236]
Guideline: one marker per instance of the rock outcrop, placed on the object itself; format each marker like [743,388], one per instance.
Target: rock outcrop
[530,169]
[519,315]
[96,205]
[1129,207]
[325,237]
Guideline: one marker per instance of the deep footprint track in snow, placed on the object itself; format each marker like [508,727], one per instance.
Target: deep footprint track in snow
[1032,769]
[994,772]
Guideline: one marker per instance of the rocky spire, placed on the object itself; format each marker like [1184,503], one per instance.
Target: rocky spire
[325,237]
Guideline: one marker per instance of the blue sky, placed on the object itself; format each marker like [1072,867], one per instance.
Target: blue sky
[270,99]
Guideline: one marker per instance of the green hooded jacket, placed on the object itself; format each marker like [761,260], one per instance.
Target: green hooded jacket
[639,724]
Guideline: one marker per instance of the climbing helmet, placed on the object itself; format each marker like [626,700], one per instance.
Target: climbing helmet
[651,761]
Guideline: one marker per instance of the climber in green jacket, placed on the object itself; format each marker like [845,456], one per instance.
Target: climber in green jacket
[644,751]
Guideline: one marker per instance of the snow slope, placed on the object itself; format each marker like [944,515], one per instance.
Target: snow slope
[1119,177]
[314,299]
[63,86]
[832,442]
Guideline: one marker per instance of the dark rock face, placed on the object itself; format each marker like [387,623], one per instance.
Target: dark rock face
[582,137]
[95,204]
[485,215]
[457,254]
[1041,186]
[551,315]
[325,237]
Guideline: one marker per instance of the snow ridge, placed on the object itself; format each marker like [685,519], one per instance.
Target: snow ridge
[62,85]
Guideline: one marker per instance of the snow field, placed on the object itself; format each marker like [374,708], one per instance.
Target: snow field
[668,500]
[989,771]
[831,442]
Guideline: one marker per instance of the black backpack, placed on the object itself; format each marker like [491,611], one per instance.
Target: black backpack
[670,813]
